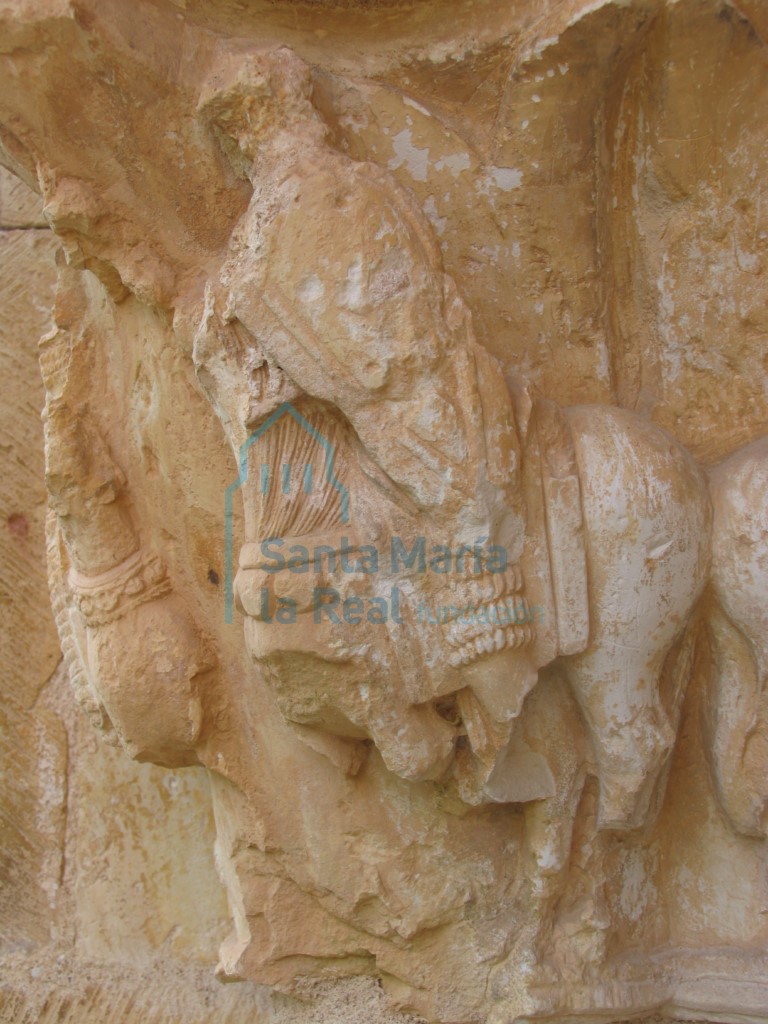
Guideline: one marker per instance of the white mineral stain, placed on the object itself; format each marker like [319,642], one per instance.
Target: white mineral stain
[455,163]
[505,178]
[438,222]
[416,160]
[746,260]
[416,106]
[637,888]
[351,293]
[311,290]
[544,44]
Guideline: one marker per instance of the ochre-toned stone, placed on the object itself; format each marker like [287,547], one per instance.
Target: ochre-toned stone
[97,920]
[405,420]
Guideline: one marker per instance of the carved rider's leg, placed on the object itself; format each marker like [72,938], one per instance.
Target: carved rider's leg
[136,657]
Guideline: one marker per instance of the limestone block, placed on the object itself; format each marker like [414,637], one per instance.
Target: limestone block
[33,747]
[87,915]
[404,450]
[20,207]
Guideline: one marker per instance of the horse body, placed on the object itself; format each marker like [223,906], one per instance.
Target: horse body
[668,547]
[673,558]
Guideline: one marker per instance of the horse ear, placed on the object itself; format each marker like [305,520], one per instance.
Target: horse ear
[232,106]
[247,97]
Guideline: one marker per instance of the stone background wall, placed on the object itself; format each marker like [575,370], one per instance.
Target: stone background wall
[106,866]
[110,905]
[111,908]
[586,235]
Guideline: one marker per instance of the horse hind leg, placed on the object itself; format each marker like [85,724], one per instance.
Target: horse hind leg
[633,731]
[736,703]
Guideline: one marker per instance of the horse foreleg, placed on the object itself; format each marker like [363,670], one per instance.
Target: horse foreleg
[647,520]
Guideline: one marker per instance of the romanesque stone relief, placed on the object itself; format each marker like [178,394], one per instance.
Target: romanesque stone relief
[115,611]
[383,479]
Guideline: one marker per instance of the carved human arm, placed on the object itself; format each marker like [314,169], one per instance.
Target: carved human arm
[137,660]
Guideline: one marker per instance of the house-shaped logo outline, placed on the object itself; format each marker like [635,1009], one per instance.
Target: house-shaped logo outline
[330,453]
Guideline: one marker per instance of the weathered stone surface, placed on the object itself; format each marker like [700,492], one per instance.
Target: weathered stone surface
[20,207]
[404,434]
[33,747]
[110,907]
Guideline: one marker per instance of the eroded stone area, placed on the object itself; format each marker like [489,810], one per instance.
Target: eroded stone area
[405,459]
